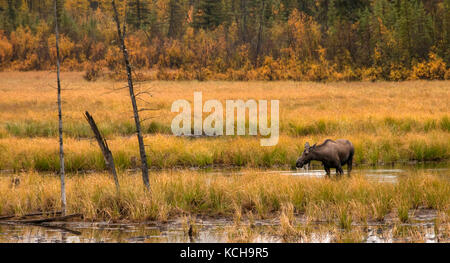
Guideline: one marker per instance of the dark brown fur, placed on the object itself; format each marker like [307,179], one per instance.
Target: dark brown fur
[332,154]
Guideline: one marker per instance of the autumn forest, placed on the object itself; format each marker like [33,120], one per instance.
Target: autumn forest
[307,40]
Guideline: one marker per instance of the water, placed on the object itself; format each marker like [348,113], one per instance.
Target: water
[379,174]
[103,232]
[421,228]
[211,230]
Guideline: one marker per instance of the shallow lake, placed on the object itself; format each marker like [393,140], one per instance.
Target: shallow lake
[221,230]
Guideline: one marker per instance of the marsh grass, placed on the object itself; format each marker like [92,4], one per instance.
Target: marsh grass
[344,201]
[445,123]
[441,226]
[409,233]
[76,129]
[40,154]
[347,236]
[344,218]
[47,128]
[288,230]
[387,122]
[403,212]
[189,226]
[34,128]
[240,234]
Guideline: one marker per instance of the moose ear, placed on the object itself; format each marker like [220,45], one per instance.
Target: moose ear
[307,145]
[314,146]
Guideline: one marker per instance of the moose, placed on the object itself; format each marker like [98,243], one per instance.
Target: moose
[332,154]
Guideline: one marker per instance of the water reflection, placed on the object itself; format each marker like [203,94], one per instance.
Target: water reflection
[379,174]
[422,230]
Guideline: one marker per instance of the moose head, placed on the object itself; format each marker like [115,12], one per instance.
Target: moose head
[307,155]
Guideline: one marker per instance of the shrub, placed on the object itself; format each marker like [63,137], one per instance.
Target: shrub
[93,72]
[24,45]
[434,68]
[66,47]
[114,59]
[447,74]
[398,73]
[370,74]
[6,50]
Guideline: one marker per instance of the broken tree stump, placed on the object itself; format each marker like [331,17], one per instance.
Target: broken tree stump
[107,155]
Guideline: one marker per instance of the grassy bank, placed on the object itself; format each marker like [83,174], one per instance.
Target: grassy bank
[253,194]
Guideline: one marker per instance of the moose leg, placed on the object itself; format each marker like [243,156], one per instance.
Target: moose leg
[339,170]
[327,170]
[349,163]
[349,166]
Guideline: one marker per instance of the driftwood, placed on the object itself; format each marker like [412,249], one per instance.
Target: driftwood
[40,224]
[107,155]
[6,217]
[44,220]
[32,214]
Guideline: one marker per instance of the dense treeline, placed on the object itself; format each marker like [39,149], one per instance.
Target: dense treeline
[236,39]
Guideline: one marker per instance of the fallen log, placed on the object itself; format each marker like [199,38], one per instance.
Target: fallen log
[32,214]
[43,220]
[44,225]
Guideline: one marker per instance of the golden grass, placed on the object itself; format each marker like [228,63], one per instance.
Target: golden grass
[259,195]
[387,121]
[29,95]
[164,151]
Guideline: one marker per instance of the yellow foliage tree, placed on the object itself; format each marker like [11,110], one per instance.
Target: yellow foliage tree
[6,50]
[304,35]
[433,68]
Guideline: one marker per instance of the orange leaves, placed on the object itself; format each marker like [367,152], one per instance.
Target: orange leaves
[434,68]
[6,50]
[24,42]
[304,34]
[66,47]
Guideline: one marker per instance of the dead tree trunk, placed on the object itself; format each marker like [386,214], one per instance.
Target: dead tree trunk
[60,128]
[142,153]
[260,32]
[109,160]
